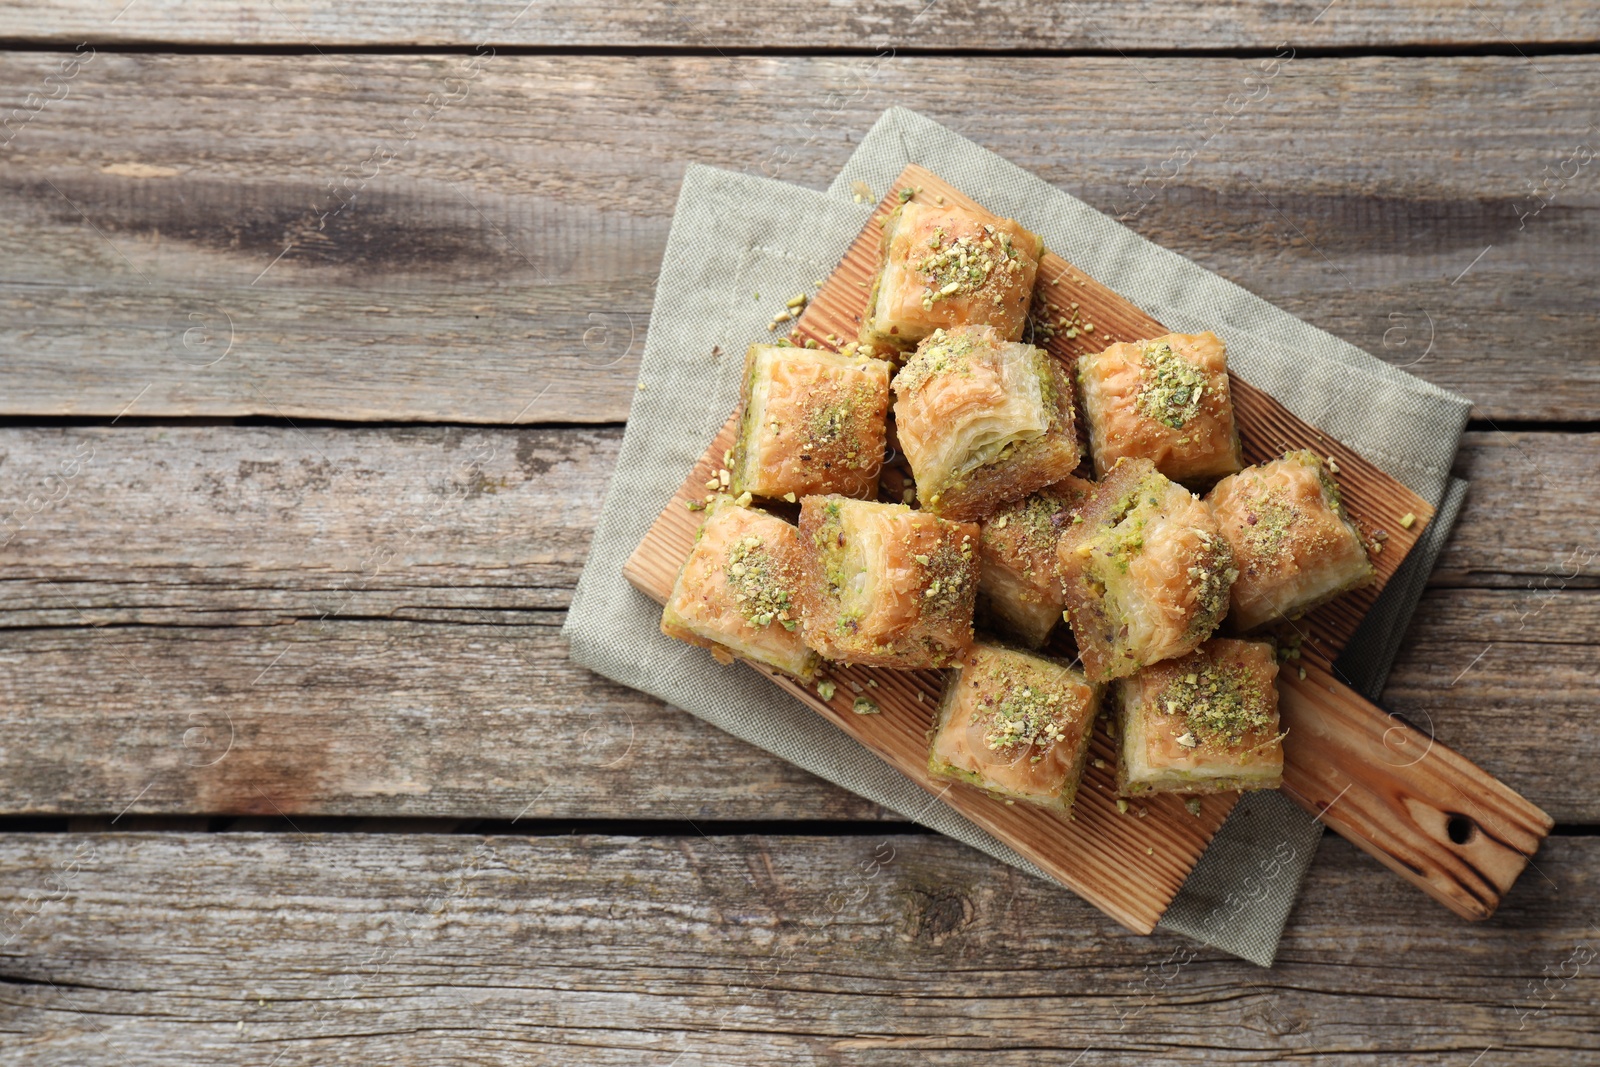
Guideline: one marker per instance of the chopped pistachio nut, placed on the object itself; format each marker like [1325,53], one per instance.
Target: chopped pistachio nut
[790,497]
[865,706]
[1170,386]
[1099,763]
[759,584]
[1302,672]
[1193,804]
[1408,520]
[796,301]
[1027,716]
[1219,706]
[1122,805]
[826,688]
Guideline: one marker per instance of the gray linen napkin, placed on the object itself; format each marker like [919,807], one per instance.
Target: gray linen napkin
[736,236]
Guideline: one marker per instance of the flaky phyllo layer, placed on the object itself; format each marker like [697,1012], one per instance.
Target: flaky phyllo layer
[944,267]
[1292,542]
[1166,400]
[1019,593]
[736,593]
[1202,723]
[811,421]
[982,421]
[1146,575]
[885,585]
[1016,724]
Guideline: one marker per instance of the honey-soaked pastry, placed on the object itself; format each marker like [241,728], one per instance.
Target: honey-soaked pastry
[1146,573]
[1205,723]
[1015,724]
[1292,542]
[1164,400]
[811,422]
[883,585]
[736,592]
[1018,591]
[983,421]
[947,266]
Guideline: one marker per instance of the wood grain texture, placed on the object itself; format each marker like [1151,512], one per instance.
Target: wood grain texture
[473,718]
[1419,808]
[217,950]
[972,24]
[509,244]
[195,554]
[483,719]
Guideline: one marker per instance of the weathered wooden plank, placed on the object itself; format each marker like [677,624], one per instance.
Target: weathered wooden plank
[251,525]
[296,949]
[488,253]
[477,720]
[365,718]
[966,24]
[412,580]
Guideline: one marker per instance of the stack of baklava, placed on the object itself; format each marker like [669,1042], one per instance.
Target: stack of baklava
[1006,531]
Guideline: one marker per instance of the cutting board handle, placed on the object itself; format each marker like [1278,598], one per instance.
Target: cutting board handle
[1440,822]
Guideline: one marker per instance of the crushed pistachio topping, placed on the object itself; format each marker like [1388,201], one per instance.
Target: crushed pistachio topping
[759,585]
[865,706]
[1170,388]
[1268,518]
[1220,706]
[965,265]
[1034,523]
[1408,520]
[826,688]
[1027,716]
[941,353]
[1193,804]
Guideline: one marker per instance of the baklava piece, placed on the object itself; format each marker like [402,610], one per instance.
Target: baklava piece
[1018,591]
[1293,543]
[811,421]
[1015,724]
[883,585]
[1146,573]
[736,592]
[1205,723]
[983,421]
[1166,401]
[946,266]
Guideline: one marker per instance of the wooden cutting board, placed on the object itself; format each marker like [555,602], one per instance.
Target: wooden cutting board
[1421,809]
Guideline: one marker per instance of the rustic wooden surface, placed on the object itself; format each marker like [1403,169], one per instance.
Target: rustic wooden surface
[887,949]
[499,267]
[300,624]
[989,25]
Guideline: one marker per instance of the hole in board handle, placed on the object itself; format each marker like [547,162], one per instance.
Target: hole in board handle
[1460,829]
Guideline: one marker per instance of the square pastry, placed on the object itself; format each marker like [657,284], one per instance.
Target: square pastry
[811,421]
[1018,591]
[1205,723]
[883,585]
[736,592]
[1164,400]
[983,421]
[1292,542]
[1015,724]
[1146,573]
[947,266]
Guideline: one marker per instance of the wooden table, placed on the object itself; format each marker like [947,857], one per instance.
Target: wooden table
[319,329]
